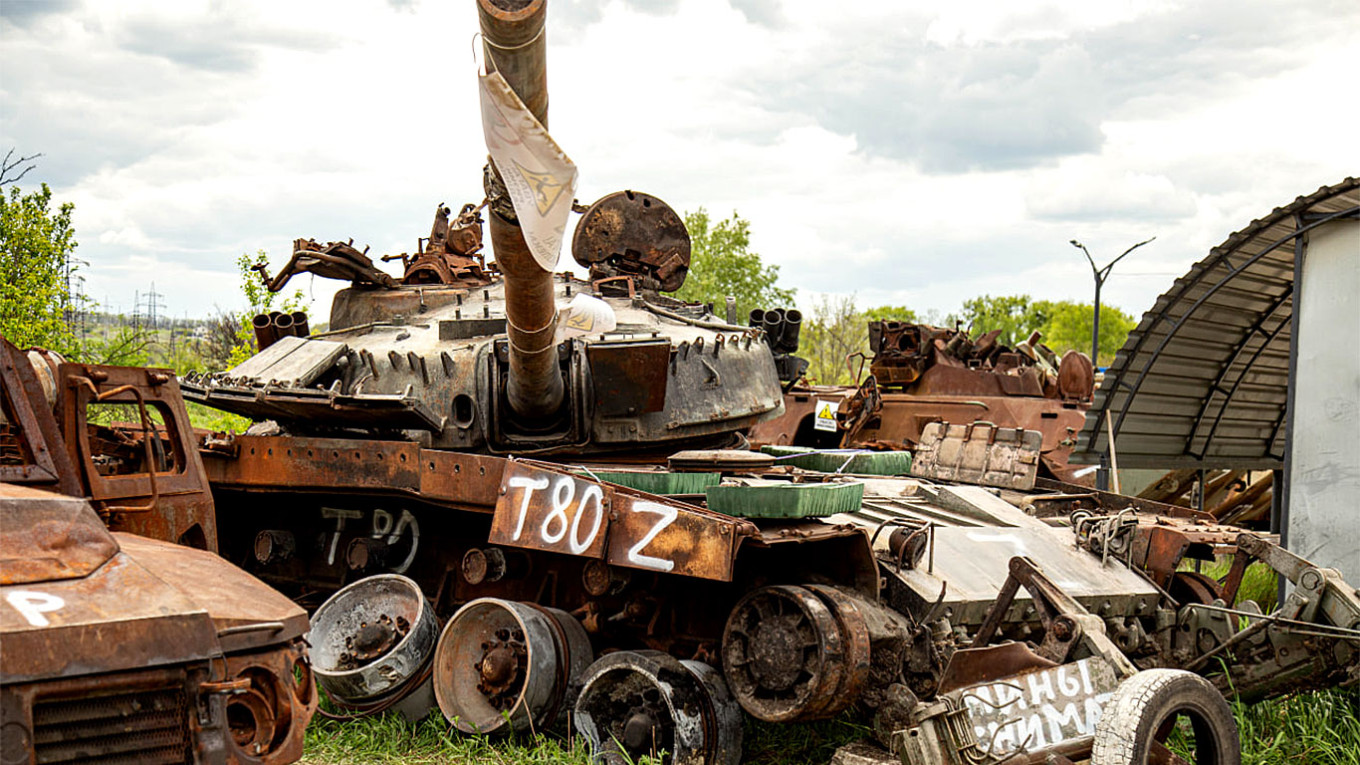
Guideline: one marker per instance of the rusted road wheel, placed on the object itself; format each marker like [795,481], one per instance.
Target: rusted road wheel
[1138,722]
[639,703]
[372,641]
[504,666]
[1194,587]
[794,654]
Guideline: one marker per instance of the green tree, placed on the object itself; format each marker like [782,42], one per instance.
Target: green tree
[1068,327]
[1015,315]
[835,331]
[128,345]
[891,313]
[1064,324]
[722,264]
[36,246]
[259,300]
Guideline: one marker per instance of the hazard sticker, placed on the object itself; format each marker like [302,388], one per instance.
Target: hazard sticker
[825,418]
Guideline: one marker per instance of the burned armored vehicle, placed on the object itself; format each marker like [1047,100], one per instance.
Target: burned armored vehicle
[118,647]
[440,357]
[530,459]
[919,374]
[384,452]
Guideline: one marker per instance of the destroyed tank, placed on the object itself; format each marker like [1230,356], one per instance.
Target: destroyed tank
[373,502]
[510,357]
[407,486]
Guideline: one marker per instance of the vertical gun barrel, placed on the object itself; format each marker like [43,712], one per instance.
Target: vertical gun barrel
[514,45]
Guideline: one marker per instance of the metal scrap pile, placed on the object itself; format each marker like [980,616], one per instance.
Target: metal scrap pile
[510,494]
[918,357]
[1239,497]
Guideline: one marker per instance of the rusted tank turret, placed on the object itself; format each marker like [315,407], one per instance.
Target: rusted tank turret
[512,356]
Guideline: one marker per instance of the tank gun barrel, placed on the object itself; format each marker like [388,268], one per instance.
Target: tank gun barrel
[514,45]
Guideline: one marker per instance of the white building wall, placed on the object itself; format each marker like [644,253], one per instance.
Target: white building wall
[1324,467]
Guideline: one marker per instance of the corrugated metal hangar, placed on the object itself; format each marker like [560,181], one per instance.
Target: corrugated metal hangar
[1253,351]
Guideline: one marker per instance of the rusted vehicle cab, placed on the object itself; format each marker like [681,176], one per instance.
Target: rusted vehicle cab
[119,648]
[118,436]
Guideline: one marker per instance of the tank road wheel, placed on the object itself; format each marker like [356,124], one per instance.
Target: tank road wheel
[637,703]
[1139,718]
[854,629]
[371,645]
[503,666]
[1194,587]
[789,656]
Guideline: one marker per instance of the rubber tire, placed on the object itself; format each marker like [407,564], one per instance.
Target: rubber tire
[1143,702]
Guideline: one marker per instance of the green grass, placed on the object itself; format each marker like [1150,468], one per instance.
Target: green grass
[1320,728]
[390,739]
[774,744]
[1259,582]
[216,420]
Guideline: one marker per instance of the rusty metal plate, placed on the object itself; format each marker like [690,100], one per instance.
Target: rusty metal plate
[468,480]
[550,511]
[638,234]
[177,506]
[671,537]
[120,617]
[35,454]
[49,536]
[979,453]
[236,601]
[358,410]
[291,361]
[1039,709]
[319,463]
[630,377]
[974,561]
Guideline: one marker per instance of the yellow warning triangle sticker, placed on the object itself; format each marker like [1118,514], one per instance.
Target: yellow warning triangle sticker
[825,418]
[547,188]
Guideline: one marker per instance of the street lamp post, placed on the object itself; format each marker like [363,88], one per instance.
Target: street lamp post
[1101,274]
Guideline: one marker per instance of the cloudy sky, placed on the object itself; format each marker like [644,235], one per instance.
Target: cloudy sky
[915,153]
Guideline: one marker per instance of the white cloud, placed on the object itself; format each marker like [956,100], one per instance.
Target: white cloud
[1096,189]
[908,153]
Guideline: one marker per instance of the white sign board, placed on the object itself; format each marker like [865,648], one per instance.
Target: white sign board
[825,417]
[1041,708]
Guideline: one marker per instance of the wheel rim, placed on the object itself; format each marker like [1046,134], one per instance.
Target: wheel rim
[642,703]
[784,654]
[371,638]
[1194,587]
[502,665]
